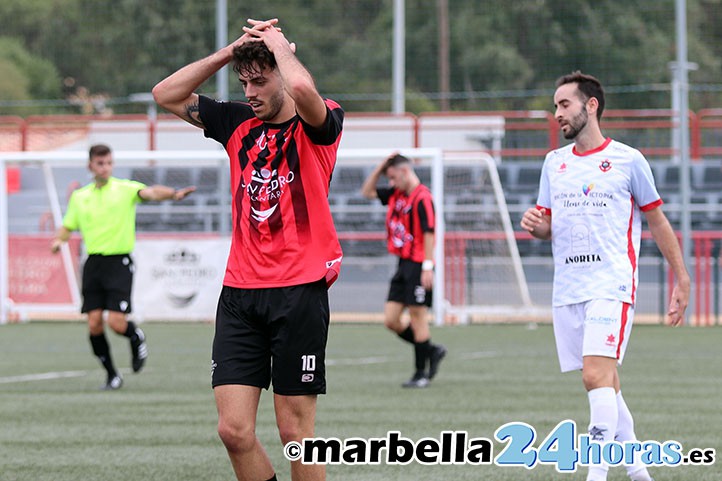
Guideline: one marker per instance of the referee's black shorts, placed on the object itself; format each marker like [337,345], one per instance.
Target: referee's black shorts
[107,283]
[406,285]
[273,334]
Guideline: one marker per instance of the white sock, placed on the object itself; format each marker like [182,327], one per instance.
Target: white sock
[602,424]
[625,432]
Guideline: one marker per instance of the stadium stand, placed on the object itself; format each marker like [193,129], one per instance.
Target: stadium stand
[424,173]
[709,178]
[149,217]
[352,212]
[527,180]
[146,175]
[179,177]
[208,181]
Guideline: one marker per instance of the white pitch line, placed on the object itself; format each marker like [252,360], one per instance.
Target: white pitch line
[478,355]
[360,360]
[45,376]
[384,359]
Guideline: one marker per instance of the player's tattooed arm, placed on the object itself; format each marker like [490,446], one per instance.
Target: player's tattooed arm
[192,114]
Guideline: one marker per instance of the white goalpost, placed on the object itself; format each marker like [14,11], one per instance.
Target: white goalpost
[42,203]
[485,279]
[479,275]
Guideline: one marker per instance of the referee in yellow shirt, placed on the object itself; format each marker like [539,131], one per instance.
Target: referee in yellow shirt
[104,213]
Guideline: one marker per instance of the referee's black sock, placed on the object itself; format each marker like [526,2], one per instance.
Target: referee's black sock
[102,351]
[130,331]
[421,351]
[407,335]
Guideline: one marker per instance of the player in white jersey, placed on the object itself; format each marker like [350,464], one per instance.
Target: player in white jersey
[591,196]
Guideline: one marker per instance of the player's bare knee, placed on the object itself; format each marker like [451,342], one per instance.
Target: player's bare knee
[293,430]
[393,324]
[118,322]
[96,329]
[594,378]
[95,321]
[236,438]
[294,422]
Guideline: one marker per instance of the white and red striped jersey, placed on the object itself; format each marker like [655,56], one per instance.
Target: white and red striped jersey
[595,200]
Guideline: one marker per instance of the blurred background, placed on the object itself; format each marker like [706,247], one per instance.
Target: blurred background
[90,56]
[477,78]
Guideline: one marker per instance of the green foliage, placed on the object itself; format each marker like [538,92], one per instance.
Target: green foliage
[496,49]
[25,75]
[13,82]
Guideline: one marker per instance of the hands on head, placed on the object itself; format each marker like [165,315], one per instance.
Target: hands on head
[387,161]
[265,31]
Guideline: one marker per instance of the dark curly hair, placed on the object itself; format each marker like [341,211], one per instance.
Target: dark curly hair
[251,58]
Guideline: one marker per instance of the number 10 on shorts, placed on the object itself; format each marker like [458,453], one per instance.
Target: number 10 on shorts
[308,362]
[308,366]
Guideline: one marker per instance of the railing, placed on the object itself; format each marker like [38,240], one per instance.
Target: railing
[527,134]
[705,271]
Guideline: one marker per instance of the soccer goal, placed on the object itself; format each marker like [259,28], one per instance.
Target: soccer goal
[178,258]
[485,279]
[477,259]
[34,283]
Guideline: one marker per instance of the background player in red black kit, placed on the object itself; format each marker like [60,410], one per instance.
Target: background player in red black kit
[410,230]
[272,318]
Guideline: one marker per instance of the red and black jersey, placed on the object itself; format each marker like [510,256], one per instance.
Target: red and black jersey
[283,232]
[408,217]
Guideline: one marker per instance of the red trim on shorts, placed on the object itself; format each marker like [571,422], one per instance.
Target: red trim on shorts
[623,327]
[630,247]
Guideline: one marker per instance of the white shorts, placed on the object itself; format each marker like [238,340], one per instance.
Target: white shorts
[600,327]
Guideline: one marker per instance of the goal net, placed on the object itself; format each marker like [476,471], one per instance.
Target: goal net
[478,263]
[485,280]
[180,262]
[37,284]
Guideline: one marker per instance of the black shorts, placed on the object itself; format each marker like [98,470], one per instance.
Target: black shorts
[107,283]
[276,334]
[406,285]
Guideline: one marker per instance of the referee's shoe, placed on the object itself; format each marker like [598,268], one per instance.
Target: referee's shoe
[114,383]
[438,353]
[418,380]
[139,349]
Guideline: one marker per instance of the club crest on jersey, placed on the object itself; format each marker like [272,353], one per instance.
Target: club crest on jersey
[605,165]
[262,176]
[398,234]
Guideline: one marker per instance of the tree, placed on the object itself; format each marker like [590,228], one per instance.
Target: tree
[503,55]
[25,76]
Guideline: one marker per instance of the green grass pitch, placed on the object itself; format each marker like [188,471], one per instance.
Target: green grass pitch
[161,425]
